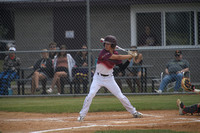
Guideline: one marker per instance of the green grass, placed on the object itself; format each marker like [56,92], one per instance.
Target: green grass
[139,131]
[99,104]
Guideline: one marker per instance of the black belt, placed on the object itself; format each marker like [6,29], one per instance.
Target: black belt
[102,75]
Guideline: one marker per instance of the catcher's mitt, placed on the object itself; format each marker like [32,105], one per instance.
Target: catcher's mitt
[133,53]
[186,85]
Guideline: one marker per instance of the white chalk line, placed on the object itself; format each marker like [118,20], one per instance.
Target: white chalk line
[189,120]
[69,128]
[79,127]
[39,119]
[64,119]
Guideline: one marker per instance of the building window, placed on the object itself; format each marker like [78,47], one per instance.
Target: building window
[172,26]
[148,29]
[179,28]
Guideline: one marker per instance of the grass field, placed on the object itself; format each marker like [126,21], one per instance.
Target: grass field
[99,104]
[49,105]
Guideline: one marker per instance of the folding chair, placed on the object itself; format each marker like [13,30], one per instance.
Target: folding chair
[171,85]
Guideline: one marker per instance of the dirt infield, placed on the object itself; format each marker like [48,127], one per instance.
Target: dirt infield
[67,122]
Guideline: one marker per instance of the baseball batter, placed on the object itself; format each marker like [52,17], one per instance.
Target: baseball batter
[103,77]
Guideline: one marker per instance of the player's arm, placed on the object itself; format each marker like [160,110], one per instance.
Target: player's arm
[120,57]
[122,66]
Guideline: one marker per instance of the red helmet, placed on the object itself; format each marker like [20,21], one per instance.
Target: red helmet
[111,39]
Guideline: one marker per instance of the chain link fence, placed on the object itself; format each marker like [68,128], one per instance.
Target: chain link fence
[158,29]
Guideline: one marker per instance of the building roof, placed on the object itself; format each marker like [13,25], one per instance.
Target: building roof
[58,3]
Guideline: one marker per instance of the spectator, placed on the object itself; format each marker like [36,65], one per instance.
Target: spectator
[174,71]
[52,46]
[63,64]
[81,74]
[42,70]
[148,38]
[10,67]
[118,72]
[135,70]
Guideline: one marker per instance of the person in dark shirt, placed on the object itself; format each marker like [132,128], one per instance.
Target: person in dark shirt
[174,71]
[42,70]
[148,38]
[81,72]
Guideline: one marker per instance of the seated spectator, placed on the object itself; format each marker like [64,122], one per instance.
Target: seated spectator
[52,46]
[42,70]
[148,38]
[63,64]
[174,71]
[81,74]
[10,67]
[135,63]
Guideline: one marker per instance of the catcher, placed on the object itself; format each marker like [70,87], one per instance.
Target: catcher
[185,83]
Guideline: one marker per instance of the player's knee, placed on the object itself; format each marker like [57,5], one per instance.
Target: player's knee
[91,94]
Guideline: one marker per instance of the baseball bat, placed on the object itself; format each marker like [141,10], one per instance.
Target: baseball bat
[118,47]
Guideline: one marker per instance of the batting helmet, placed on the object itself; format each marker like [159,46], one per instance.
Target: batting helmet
[111,39]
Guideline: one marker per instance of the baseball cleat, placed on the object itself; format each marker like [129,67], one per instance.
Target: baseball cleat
[137,115]
[158,91]
[80,118]
[180,106]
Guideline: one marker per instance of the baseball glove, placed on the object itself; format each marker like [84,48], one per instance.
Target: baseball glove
[186,85]
[133,53]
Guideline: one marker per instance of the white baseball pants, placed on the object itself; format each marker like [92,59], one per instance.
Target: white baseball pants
[108,82]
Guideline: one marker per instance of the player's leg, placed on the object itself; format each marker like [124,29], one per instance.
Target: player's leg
[192,109]
[95,86]
[189,109]
[115,90]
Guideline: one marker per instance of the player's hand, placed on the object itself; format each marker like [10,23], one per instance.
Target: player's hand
[132,53]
